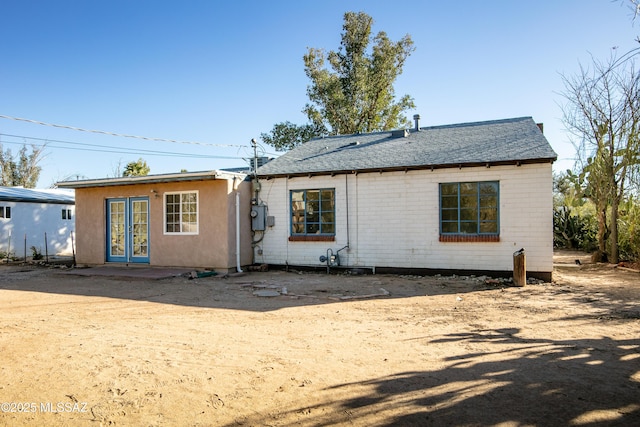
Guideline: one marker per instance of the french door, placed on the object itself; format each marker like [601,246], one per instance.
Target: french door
[128,230]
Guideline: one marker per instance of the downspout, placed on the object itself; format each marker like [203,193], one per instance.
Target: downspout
[346,192]
[238,268]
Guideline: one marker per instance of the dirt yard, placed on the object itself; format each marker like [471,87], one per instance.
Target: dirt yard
[327,350]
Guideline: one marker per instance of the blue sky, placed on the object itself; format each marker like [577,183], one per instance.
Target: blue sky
[221,73]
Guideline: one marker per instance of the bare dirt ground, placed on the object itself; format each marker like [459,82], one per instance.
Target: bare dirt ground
[436,351]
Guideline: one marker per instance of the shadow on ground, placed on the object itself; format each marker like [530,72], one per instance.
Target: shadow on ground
[525,384]
[298,289]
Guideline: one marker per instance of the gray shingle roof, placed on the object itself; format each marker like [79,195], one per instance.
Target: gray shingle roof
[494,142]
[19,194]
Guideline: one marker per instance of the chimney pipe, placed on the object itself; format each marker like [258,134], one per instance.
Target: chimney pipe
[416,118]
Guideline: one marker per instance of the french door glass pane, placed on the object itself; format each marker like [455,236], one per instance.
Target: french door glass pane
[139,228]
[117,223]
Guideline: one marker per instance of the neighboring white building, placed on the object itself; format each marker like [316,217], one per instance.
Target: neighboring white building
[442,199]
[27,214]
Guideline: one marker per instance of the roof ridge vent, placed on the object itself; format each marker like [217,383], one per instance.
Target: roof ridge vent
[400,133]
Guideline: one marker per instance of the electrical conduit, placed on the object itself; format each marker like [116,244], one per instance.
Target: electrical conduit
[238,268]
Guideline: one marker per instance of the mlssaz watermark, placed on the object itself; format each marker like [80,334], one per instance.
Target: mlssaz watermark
[44,407]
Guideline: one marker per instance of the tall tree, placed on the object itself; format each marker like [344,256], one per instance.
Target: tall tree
[351,89]
[286,135]
[23,171]
[139,168]
[603,114]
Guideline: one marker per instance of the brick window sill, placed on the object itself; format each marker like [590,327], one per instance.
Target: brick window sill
[312,238]
[449,238]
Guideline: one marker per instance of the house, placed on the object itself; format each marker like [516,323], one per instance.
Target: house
[191,219]
[43,219]
[441,199]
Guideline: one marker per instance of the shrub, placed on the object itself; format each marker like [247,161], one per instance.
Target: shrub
[36,254]
[572,230]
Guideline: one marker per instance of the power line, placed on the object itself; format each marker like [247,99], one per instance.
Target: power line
[115,134]
[109,149]
[159,154]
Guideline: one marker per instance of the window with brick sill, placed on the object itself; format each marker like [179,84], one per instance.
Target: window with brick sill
[469,212]
[313,215]
[449,238]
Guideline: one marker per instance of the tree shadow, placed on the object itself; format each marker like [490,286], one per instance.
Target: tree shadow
[500,375]
[531,381]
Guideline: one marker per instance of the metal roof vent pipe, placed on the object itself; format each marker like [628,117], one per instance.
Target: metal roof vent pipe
[416,118]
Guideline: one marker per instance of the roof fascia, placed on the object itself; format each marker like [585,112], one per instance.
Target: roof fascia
[154,179]
[408,168]
[32,200]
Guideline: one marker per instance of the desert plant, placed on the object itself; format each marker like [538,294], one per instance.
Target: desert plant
[36,254]
[629,225]
[572,230]
[8,256]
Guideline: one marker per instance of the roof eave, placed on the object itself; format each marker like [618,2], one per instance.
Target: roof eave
[408,168]
[34,200]
[153,179]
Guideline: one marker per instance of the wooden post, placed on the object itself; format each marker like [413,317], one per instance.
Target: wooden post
[519,268]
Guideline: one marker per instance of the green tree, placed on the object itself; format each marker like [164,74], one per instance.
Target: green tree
[139,168]
[23,171]
[351,89]
[286,135]
[603,115]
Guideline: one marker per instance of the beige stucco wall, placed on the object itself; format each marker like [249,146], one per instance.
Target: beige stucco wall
[391,219]
[213,247]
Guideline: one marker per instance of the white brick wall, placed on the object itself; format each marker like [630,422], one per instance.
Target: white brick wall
[394,220]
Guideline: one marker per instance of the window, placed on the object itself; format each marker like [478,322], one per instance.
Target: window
[469,208]
[66,213]
[181,213]
[5,212]
[313,212]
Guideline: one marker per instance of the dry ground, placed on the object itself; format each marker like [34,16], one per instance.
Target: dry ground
[437,351]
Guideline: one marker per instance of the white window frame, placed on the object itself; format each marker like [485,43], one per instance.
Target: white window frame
[180,213]
[4,212]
